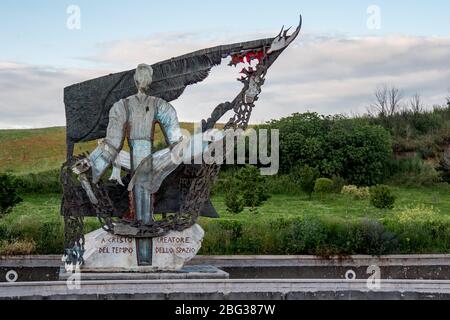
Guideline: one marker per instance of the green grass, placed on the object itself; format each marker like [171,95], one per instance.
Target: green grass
[40,209]
[38,219]
[45,207]
[342,206]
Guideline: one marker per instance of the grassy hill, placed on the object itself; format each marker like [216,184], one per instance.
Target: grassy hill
[38,150]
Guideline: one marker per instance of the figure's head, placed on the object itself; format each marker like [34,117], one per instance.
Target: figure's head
[143,77]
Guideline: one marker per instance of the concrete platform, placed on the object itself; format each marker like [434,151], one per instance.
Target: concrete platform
[399,267]
[188,272]
[277,289]
[261,261]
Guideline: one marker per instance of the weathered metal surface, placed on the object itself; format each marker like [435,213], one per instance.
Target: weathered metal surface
[167,200]
[88,105]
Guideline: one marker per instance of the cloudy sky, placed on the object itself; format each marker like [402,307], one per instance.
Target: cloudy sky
[346,50]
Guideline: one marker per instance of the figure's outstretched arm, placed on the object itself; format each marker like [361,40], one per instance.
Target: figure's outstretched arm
[106,153]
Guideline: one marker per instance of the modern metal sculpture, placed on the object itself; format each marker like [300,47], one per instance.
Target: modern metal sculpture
[127,105]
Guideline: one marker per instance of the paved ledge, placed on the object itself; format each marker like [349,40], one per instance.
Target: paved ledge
[228,290]
[262,261]
[314,261]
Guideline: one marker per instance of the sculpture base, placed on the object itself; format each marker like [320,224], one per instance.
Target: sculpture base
[188,272]
[108,253]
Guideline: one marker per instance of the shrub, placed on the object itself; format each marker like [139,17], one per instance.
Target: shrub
[307,234]
[48,182]
[427,177]
[233,198]
[9,196]
[420,213]
[305,177]
[381,197]
[413,172]
[372,238]
[233,202]
[444,173]
[356,151]
[421,229]
[243,188]
[282,185]
[355,192]
[338,183]
[251,184]
[323,186]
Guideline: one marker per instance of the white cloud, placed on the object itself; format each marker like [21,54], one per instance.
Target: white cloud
[318,73]
[32,96]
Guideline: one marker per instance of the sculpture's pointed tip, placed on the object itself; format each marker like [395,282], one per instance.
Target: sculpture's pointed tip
[281,32]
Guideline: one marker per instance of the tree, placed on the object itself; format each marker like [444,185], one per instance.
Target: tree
[358,152]
[395,97]
[416,103]
[387,101]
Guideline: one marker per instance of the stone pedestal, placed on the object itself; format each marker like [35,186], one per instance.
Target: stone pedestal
[107,253]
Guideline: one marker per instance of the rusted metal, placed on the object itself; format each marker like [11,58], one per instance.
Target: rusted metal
[193,181]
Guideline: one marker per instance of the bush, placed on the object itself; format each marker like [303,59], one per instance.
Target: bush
[427,177]
[309,234]
[421,230]
[356,151]
[338,183]
[355,192]
[9,196]
[444,172]
[251,185]
[48,182]
[233,201]
[323,186]
[244,188]
[371,237]
[305,177]
[413,172]
[282,185]
[381,197]
[417,214]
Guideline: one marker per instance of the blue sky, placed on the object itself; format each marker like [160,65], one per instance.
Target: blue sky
[333,67]
[35,31]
